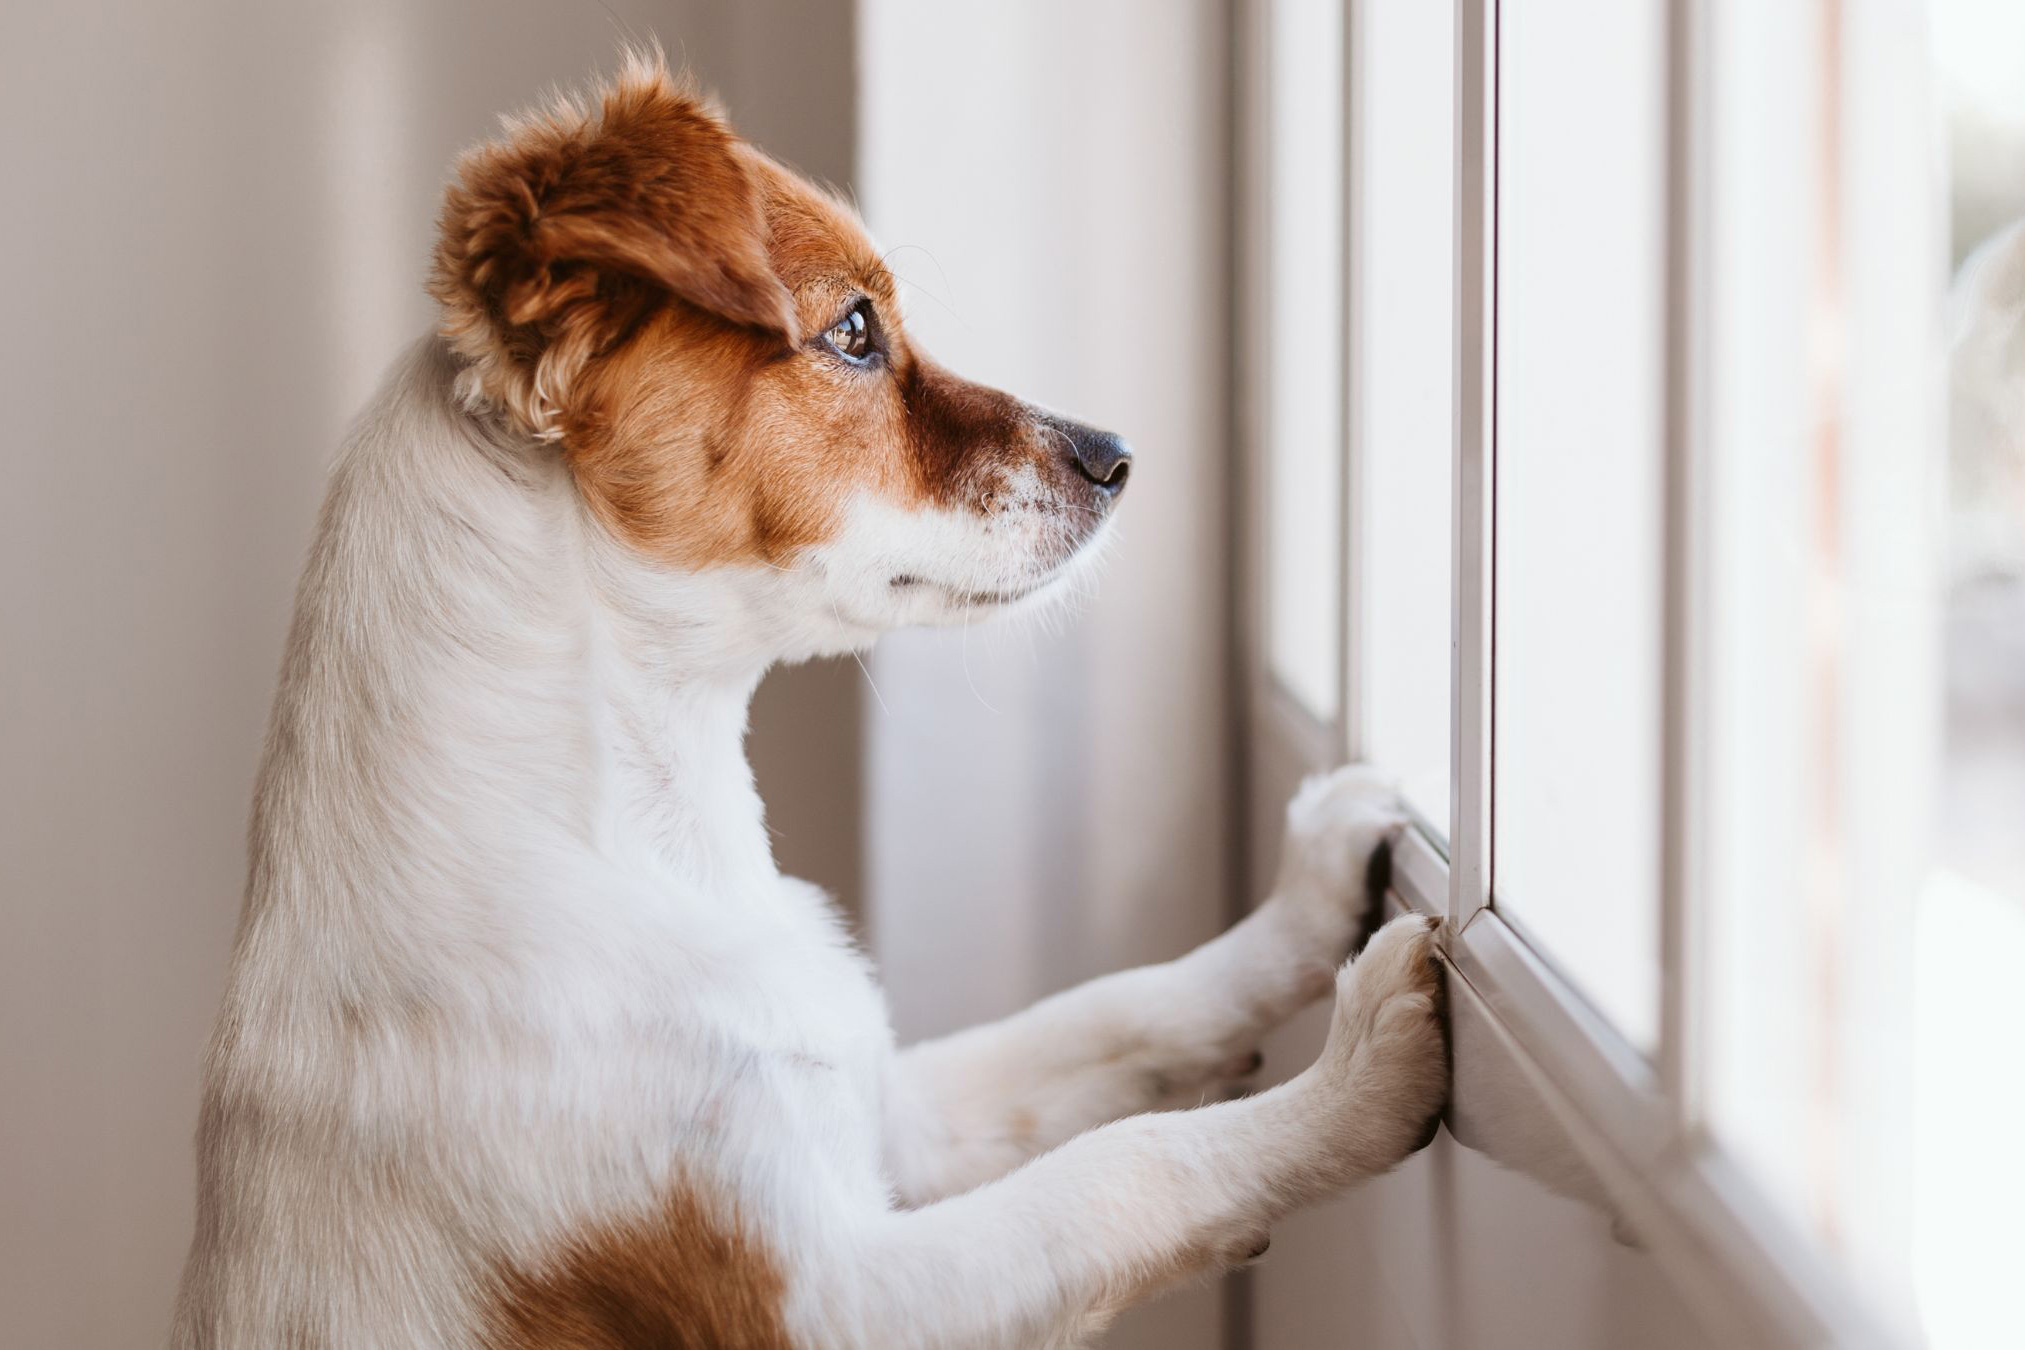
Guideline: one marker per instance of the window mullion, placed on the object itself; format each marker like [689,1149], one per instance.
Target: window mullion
[1684,322]
[1355,739]
[1475,374]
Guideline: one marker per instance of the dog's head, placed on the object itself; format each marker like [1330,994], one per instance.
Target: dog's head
[717,350]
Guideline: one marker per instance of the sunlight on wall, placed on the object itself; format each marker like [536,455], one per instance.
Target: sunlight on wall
[1045,804]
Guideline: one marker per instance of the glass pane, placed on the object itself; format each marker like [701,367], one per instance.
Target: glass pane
[1403,388]
[1304,507]
[1578,516]
[1855,983]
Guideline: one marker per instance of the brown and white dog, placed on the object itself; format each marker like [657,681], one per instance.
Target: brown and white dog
[527,1042]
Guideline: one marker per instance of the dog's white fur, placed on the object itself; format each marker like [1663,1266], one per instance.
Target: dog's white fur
[516,958]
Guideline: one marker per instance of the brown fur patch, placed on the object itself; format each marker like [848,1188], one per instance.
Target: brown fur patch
[676,1279]
[705,444]
[555,241]
[958,432]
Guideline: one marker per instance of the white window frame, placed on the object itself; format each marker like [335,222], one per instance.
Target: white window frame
[1632,1118]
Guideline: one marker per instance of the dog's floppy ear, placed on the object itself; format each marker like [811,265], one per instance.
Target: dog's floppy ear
[556,240]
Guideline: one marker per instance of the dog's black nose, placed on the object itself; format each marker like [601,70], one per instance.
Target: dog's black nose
[1101,457]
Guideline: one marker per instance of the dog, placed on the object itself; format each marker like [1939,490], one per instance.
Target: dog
[526,1042]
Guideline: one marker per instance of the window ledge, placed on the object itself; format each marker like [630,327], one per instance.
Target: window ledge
[1701,1220]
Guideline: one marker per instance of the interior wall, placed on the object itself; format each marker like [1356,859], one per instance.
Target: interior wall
[1046,800]
[221,215]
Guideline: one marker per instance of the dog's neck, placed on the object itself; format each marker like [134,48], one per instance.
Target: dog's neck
[481,680]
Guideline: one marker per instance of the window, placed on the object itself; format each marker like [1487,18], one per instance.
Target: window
[1682,589]
[1402,393]
[1968,931]
[1579,531]
[1305,468]
[1816,665]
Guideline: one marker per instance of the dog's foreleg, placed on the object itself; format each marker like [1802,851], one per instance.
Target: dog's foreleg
[969,1107]
[1046,1254]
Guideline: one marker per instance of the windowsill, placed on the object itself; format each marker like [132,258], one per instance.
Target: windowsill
[1669,1186]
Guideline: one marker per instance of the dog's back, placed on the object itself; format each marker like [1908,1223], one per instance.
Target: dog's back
[456,1041]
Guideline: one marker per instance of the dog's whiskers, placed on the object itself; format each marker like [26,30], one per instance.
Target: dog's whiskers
[963,652]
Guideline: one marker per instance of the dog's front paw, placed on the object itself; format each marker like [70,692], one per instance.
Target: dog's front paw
[1386,1061]
[1335,824]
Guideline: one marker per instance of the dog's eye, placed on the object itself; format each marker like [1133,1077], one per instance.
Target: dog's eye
[851,336]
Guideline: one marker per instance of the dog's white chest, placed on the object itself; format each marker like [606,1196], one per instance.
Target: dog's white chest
[780,992]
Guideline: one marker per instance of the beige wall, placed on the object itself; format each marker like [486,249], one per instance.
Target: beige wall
[217,221]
